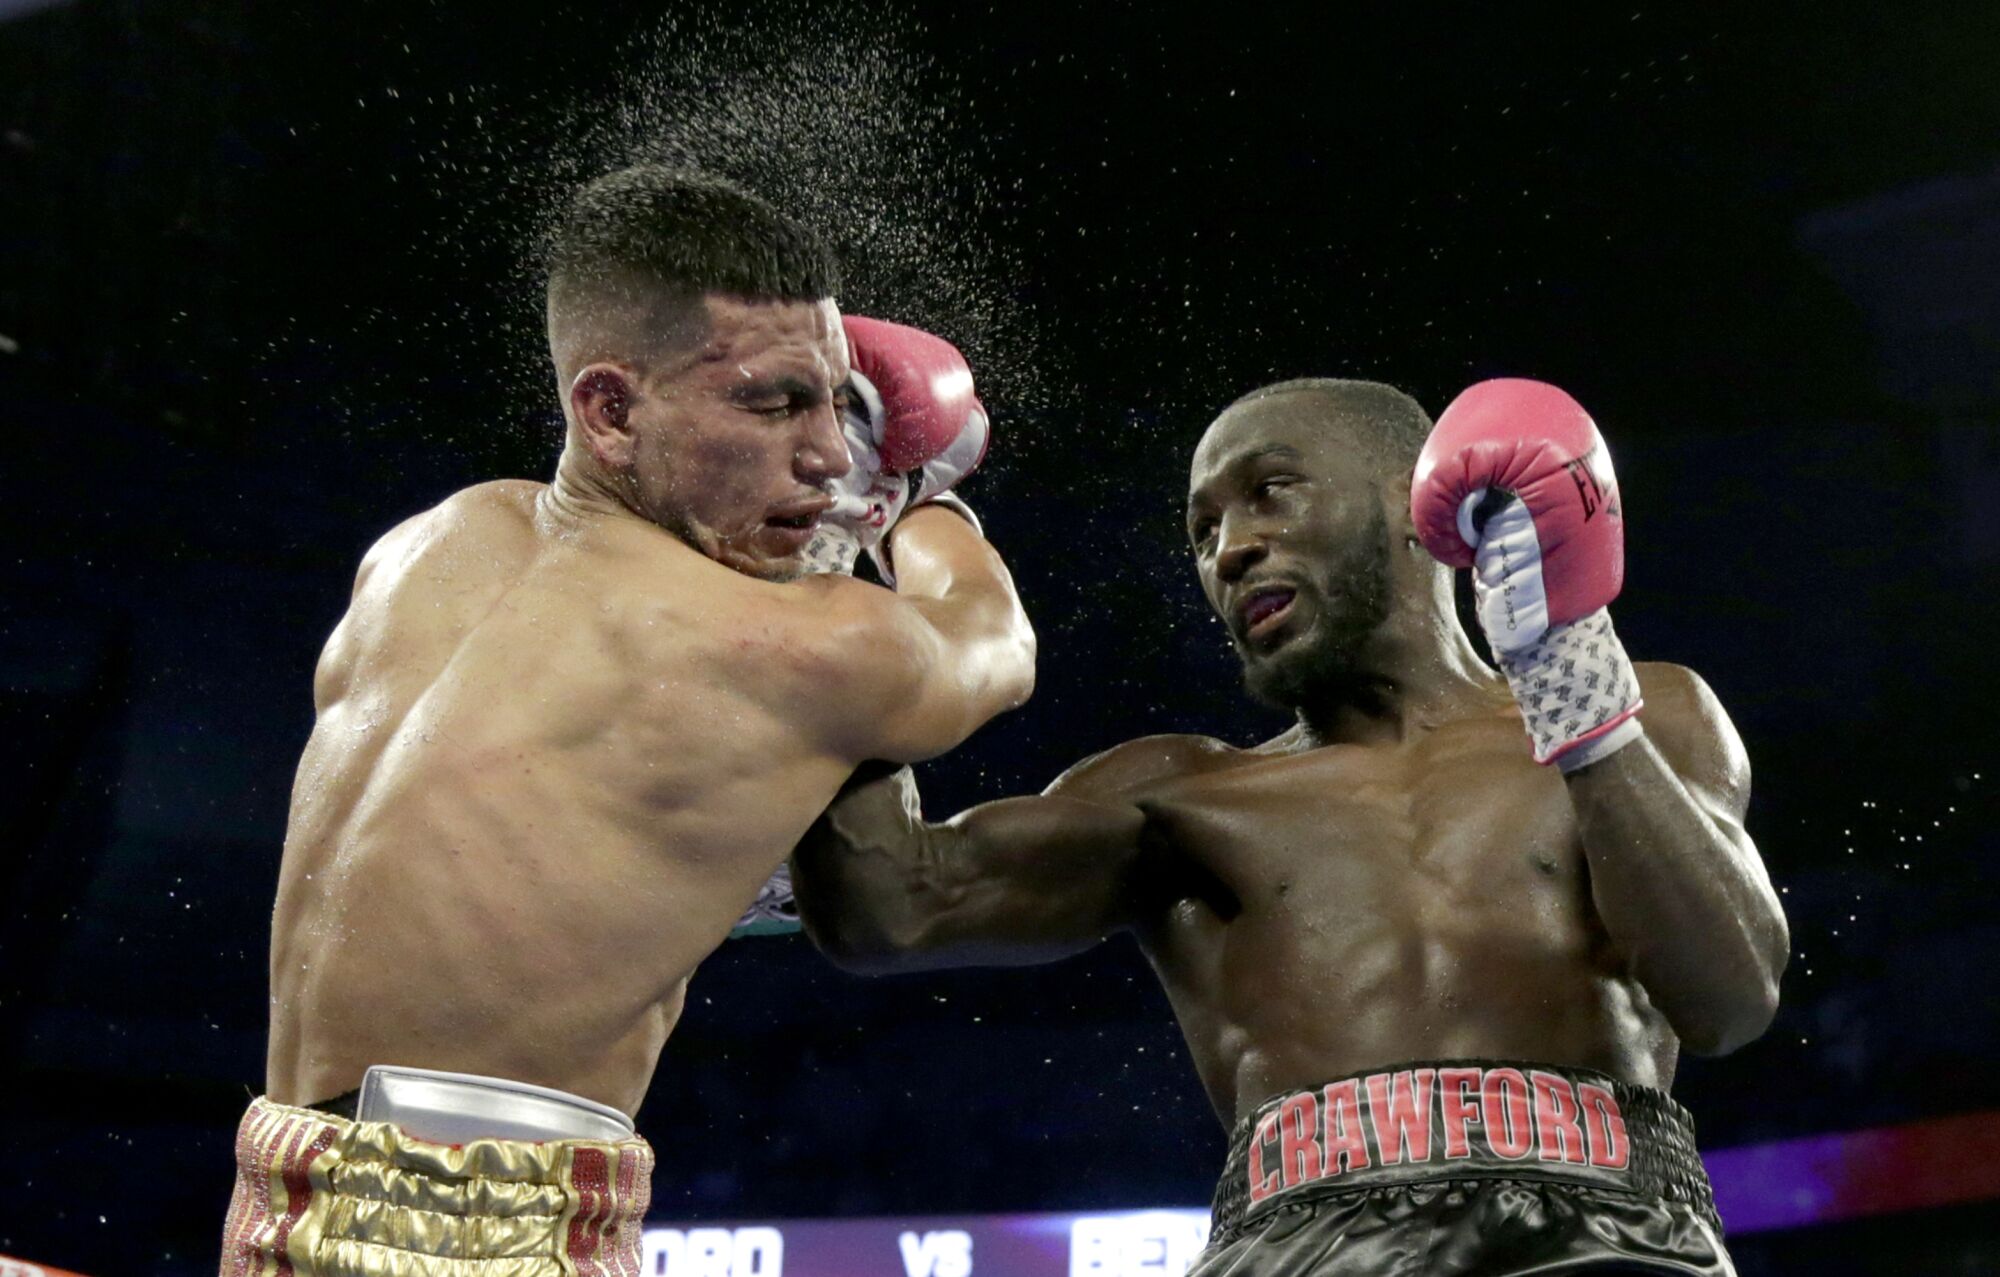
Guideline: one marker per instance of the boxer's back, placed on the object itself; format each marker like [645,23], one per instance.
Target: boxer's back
[551,765]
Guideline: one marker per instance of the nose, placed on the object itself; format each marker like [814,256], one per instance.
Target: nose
[1239,547]
[822,452]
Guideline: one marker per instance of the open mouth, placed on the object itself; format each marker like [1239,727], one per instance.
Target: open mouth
[1266,609]
[792,527]
[797,519]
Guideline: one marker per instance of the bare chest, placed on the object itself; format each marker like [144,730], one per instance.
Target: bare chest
[1461,831]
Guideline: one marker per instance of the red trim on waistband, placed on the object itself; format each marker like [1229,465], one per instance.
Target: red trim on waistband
[590,1177]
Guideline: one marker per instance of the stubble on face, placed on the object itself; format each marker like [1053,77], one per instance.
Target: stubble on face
[1350,601]
[717,468]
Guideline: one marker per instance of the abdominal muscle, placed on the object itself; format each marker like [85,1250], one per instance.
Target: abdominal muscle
[1252,1039]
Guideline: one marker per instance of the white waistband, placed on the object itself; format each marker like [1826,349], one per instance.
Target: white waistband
[452,1108]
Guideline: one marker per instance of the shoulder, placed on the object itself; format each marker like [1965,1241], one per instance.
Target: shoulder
[824,623]
[503,501]
[514,494]
[1135,769]
[484,508]
[818,640]
[1677,697]
[848,664]
[1687,723]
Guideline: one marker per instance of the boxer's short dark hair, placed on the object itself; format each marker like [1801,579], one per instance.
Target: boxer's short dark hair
[1390,422]
[688,233]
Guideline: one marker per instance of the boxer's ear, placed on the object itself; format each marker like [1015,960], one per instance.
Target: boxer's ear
[600,402]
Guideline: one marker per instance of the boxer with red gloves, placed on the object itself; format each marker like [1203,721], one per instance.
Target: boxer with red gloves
[1436,991]
[566,730]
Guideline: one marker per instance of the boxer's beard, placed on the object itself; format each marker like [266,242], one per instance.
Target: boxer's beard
[1351,602]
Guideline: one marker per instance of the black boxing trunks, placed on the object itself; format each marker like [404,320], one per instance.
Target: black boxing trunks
[1473,1168]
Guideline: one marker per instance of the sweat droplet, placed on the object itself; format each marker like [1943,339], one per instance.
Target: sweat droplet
[876,158]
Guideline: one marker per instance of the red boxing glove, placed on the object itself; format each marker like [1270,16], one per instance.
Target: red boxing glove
[1515,482]
[914,428]
[917,390]
[1526,440]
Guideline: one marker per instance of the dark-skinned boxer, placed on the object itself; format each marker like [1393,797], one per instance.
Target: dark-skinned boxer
[1437,947]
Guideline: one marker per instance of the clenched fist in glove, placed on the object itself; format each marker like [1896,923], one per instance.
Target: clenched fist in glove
[1515,483]
[914,429]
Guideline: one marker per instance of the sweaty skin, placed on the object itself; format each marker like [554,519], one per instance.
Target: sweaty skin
[559,748]
[1393,879]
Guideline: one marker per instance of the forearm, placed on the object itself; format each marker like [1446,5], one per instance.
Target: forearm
[1017,881]
[964,590]
[862,895]
[1683,896]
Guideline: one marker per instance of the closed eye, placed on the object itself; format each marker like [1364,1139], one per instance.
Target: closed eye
[790,406]
[781,397]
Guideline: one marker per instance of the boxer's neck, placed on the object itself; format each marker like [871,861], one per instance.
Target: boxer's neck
[582,490]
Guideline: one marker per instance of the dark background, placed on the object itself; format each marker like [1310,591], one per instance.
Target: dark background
[262,295]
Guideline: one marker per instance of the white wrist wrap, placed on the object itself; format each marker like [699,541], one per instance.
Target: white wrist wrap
[1577,692]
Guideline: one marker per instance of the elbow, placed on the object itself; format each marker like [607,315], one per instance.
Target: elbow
[1019,683]
[1738,1001]
[1017,661]
[845,945]
[1729,1024]
[857,950]
[863,959]
[863,943]
[1004,683]
[1010,663]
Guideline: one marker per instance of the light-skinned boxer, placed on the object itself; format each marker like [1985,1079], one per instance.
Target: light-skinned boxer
[566,730]
[1437,947]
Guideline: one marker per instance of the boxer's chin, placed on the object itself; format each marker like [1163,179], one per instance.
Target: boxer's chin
[775,569]
[773,559]
[1312,665]
[1290,674]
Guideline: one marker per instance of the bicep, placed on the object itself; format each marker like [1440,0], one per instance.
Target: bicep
[1065,867]
[1694,737]
[883,679]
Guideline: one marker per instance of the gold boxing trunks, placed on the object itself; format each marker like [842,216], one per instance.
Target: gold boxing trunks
[319,1194]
